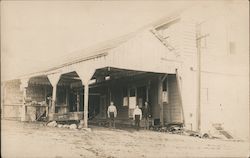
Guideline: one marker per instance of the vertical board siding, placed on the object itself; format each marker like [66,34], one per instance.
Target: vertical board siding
[13,100]
[172,110]
[188,37]
[144,52]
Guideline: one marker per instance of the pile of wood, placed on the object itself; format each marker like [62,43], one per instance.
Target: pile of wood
[176,128]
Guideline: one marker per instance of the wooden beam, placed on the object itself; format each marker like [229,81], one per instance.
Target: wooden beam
[164,77]
[198,108]
[179,92]
[67,97]
[3,98]
[53,106]
[160,103]
[54,79]
[45,96]
[86,102]
[23,87]
[78,101]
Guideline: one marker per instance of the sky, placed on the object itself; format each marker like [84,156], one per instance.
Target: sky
[37,34]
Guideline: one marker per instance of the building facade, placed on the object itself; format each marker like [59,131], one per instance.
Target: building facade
[184,66]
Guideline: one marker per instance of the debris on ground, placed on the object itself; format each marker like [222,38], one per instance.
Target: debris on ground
[52,124]
[87,129]
[59,125]
[103,142]
[177,128]
[73,126]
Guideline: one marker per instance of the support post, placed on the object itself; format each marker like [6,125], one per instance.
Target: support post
[147,89]
[179,91]
[23,87]
[160,82]
[85,74]
[67,98]
[53,106]
[3,94]
[77,102]
[198,109]
[86,101]
[47,106]
[53,78]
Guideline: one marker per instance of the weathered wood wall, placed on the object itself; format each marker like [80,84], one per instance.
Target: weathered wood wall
[12,100]
[172,110]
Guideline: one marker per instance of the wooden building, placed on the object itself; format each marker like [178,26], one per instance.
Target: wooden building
[159,64]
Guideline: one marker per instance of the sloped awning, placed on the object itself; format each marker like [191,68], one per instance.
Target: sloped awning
[138,52]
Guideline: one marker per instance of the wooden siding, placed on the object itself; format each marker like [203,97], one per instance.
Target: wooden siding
[172,110]
[188,38]
[13,100]
[143,53]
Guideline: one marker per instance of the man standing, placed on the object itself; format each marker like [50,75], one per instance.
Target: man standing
[137,115]
[112,113]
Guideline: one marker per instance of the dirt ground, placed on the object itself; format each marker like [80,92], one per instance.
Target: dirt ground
[34,140]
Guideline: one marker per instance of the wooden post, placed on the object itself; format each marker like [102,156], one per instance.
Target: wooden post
[53,78]
[53,106]
[77,101]
[67,98]
[160,82]
[198,108]
[147,89]
[85,74]
[24,108]
[23,86]
[179,91]
[45,96]
[86,101]
[3,97]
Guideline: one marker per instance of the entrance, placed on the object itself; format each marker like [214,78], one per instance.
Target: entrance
[141,96]
[103,105]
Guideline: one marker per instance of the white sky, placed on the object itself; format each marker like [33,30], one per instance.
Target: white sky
[34,33]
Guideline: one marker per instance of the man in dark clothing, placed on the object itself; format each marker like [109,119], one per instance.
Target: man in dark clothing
[146,112]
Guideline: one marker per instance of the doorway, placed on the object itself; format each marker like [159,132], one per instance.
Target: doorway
[103,106]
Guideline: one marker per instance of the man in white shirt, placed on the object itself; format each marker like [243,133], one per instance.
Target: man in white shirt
[112,113]
[137,116]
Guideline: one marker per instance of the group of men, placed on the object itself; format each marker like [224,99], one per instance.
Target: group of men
[137,115]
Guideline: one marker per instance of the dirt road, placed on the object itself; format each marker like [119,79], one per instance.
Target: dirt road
[35,140]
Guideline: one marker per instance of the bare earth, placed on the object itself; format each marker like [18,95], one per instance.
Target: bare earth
[36,140]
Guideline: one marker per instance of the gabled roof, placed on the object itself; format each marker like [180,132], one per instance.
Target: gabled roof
[104,47]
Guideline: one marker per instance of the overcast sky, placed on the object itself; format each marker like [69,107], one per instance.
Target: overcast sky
[33,34]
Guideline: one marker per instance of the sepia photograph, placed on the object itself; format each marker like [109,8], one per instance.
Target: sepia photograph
[124,79]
